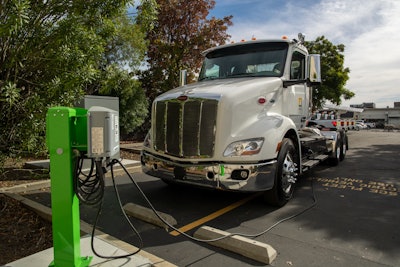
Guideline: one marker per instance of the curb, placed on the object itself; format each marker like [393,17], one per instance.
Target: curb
[37,185]
[26,187]
[45,164]
[132,147]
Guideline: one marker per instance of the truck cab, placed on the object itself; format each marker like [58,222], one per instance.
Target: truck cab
[241,126]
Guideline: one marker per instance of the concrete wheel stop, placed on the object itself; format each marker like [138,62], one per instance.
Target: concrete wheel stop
[241,245]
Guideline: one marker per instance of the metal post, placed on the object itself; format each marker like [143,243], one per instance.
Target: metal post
[66,131]
[182,77]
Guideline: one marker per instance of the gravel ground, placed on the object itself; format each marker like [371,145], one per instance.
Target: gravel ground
[22,232]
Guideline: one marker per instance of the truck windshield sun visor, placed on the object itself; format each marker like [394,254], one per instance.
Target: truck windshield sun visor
[258,59]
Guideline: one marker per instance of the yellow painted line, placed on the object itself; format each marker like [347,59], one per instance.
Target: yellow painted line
[213,215]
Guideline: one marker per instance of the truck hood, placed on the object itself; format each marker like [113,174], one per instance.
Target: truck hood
[221,88]
[245,104]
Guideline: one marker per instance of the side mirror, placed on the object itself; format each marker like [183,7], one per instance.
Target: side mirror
[313,69]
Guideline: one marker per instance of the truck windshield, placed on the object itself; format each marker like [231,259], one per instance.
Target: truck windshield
[247,60]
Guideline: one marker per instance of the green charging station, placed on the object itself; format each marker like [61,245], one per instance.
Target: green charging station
[70,133]
[66,132]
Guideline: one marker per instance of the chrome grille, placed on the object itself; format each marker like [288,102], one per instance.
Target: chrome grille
[185,128]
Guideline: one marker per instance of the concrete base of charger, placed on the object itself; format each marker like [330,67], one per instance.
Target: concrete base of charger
[45,257]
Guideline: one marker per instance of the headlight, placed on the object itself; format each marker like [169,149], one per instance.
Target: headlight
[244,147]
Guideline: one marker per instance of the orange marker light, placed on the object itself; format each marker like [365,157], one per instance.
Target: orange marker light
[278,146]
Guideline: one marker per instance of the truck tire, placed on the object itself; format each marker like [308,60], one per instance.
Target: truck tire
[285,175]
[335,156]
[345,145]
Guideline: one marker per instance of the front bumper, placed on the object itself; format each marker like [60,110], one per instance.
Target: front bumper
[226,176]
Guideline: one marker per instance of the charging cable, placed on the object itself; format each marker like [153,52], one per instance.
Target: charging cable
[99,194]
[89,188]
[126,218]
[219,238]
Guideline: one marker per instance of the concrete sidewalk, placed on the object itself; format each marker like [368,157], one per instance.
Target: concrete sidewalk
[45,257]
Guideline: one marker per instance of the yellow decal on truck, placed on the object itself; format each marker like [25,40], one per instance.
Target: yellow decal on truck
[300,102]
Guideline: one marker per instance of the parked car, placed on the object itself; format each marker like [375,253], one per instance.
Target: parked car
[380,125]
[361,126]
[370,124]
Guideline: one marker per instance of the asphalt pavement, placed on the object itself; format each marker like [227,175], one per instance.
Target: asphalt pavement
[352,220]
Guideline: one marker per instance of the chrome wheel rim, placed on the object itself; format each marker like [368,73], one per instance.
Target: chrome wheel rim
[288,174]
[344,149]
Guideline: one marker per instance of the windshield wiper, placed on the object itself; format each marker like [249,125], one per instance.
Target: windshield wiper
[243,74]
[209,78]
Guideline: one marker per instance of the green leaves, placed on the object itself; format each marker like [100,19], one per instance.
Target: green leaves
[14,15]
[182,31]
[54,52]
[133,104]
[10,94]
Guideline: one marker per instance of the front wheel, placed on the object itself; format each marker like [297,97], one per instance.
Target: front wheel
[285,175]
[334,159]
[344,145]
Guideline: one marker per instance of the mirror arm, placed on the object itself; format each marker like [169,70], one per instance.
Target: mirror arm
[288,83]
[312,84]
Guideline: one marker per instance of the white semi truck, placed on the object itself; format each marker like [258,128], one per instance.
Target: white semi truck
[241,127]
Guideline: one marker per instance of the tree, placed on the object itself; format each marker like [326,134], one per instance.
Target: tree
[132,100]
[124,54]
[54,52]
[181,31]
[334,74]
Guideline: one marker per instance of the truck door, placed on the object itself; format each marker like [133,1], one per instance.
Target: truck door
[297,95]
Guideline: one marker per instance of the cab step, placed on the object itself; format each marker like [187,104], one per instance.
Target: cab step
[309,163]
[321,157]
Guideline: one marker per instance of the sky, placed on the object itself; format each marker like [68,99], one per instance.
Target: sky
[369,29]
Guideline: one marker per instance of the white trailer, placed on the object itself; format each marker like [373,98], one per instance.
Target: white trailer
[241,127]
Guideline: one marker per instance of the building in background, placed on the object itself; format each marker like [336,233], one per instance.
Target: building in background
[380,116]
[364,105]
